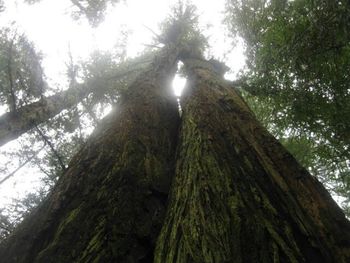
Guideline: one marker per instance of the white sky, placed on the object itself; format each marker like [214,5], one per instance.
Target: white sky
[49,25]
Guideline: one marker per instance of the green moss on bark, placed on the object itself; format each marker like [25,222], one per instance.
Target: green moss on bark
[236,197]
[110,204]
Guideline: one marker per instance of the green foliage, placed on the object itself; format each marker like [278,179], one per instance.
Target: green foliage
[299,55]
[298,64]
[13,214]
[50,146]
[98,71]
[108,75]
[181,27]
[6,226]
[93,10]
[312,150]
[21,74]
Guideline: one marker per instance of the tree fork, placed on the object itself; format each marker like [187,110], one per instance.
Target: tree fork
[110,204]
[238,195]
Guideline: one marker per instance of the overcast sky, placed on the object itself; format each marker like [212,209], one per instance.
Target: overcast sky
[50,26]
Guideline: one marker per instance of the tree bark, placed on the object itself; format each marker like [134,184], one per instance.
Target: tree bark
[110,204]
[238,195]
[15,123]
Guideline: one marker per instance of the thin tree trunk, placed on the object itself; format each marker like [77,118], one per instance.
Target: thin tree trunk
[15,123]
[110,204]
[238,195]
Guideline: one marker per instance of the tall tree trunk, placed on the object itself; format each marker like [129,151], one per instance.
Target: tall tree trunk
[109,205]
[238,195]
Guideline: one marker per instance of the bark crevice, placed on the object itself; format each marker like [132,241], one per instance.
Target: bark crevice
[110,203]
[237,196]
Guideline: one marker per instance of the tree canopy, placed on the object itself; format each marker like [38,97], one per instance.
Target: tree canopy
[93,10]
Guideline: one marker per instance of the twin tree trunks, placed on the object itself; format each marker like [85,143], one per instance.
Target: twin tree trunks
[236,195]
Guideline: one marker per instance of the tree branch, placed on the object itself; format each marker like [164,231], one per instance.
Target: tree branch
[79,5]
[20,167]
[5,228]
[90,112]
[158,37]
[12,125]
[48,142]
[12,102]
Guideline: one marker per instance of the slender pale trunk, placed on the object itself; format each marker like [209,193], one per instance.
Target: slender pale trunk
[238,195]
[17,122]
[110,204]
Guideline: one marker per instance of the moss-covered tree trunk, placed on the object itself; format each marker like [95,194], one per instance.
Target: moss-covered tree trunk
[238,195]
[109,205]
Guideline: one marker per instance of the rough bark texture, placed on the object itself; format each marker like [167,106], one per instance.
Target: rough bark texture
[17,122]
[238,195]
[109,205]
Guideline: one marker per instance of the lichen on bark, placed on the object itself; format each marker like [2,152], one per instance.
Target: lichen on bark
[238,195]
[110,204]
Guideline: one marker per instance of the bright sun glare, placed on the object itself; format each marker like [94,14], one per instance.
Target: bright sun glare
[49,25]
